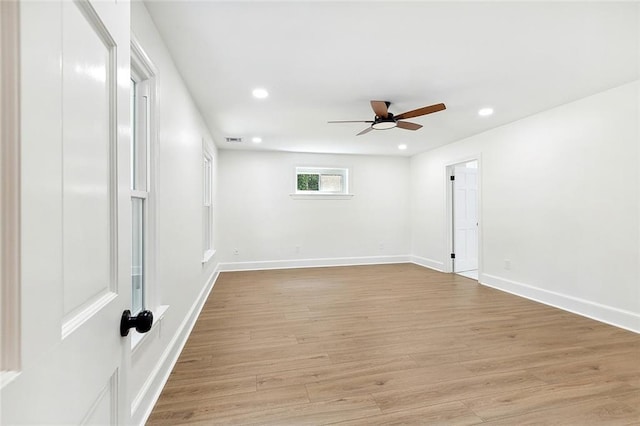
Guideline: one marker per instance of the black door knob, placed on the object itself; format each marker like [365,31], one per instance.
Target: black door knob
[142,322]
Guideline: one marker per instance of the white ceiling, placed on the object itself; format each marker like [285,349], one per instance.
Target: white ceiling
[325,61]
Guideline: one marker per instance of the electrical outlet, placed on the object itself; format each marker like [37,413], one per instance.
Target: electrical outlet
[507,264]
[381,246]
[297,249]
[236,252]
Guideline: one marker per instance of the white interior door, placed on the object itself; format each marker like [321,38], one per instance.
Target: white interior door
[465,218]
[75,214]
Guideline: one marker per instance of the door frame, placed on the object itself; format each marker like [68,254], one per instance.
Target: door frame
[10,326]
[448,213]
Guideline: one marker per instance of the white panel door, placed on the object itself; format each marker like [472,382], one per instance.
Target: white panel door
[465,218]
[75,214]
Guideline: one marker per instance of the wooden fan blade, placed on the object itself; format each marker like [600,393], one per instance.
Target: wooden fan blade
[421,111]
[367,130]
[351,121]
[407,125]
[380,108]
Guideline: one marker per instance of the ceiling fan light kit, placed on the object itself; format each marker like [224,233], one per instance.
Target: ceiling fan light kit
[384,124]
[384,120]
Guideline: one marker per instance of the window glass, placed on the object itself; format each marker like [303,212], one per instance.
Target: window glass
[134,136]
[331,183]
[308,182]
[137,254]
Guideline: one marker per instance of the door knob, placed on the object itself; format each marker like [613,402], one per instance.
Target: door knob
[142,322]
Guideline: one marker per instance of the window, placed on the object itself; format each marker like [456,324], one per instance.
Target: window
[142,171]
[207,203]
[139,189]
[322,180]
[144,294]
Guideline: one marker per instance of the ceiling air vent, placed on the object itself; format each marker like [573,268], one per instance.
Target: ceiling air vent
[234,140]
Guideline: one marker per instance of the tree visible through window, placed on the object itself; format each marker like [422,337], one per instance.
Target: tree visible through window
[307,182]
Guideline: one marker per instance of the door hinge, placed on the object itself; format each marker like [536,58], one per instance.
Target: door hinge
[453,255]
[452,177]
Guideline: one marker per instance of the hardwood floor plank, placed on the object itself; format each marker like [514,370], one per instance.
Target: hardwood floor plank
[385,381]
[194,389]
[623,366]
[333,372]
[454,390]
[394,344]
[313,413]
[602,412]
[450,414]
[501,364]
[219,349]
[445,354]
[265,354]
[340,355]
[226,408]
[255,367]
[511,403]
[630,397]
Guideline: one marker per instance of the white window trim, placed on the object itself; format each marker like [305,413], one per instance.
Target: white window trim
[345,172]
[321,196]
[143,68]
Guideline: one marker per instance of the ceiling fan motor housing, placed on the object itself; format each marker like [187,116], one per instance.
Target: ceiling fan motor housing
[384,123]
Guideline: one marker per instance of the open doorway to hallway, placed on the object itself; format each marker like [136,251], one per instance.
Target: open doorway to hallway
[464,200]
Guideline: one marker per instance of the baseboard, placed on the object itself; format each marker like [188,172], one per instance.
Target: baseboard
[312,263]
[603,313]
[427,263]
[152,388]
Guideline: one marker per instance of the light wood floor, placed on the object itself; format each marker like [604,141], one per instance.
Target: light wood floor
[395,344]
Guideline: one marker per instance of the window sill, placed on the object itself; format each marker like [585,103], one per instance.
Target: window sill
[138,338]
[207,256]
[321,196]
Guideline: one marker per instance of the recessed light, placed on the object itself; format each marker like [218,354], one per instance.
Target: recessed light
[256,139]
[260,93]
[484,112]
[402,147]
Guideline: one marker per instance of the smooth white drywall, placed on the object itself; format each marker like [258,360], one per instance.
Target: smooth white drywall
[559,199]
[264,223]
[638,128]
[180,274]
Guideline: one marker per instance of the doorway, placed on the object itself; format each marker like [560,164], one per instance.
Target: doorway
[464,202]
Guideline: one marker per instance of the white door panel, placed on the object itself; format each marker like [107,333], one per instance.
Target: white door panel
[88,83]
[465,218]
[75,214]
[41,186]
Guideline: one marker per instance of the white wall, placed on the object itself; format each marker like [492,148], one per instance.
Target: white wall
[258,217]
[181,278]
[638,130]
[560,199]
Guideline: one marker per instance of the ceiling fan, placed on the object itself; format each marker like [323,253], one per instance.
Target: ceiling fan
[385,120]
